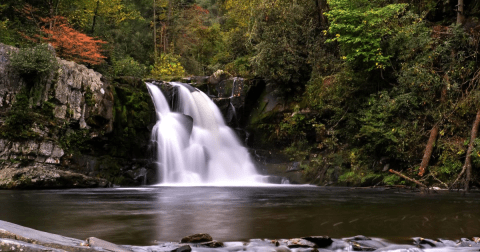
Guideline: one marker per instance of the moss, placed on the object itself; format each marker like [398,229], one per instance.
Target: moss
[89,99]
[73,141]
[133,113]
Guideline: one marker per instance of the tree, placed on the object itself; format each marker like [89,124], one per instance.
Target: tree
[86,12]
[460,13]
[360,27]
[69,43]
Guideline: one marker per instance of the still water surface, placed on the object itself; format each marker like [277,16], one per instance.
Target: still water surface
[141,216]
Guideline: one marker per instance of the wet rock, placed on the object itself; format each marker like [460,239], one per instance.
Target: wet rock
[320,241]
[282,249]
[427,243]
[362,243]
[399,248]
[300,243]
[197,238]
[184,248]
[211,244]
[464,242]
[95,242]
[338,244]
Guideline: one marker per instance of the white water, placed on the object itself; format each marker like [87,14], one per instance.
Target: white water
[194,146]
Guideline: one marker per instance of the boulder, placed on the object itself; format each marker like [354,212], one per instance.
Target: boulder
[197,238]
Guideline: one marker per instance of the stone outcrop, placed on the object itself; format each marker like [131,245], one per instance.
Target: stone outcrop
[10,80]
[73,112]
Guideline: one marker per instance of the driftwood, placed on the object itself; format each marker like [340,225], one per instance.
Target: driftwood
[407,178]
[428,150]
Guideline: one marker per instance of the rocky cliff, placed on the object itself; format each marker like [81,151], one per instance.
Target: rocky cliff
[59,131]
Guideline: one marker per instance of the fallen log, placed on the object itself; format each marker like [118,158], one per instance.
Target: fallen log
[407,178]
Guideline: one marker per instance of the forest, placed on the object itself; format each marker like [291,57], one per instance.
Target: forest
[374,92]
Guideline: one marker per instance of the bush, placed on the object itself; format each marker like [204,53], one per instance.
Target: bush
[167,66]
[35,61]
[129,67]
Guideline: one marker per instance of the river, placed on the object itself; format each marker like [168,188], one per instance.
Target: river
[143,216]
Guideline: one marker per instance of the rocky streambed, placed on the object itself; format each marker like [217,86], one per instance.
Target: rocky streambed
[22,239]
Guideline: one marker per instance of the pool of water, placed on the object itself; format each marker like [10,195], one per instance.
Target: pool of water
[143,216]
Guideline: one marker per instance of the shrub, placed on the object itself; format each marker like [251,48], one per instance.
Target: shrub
[35,61]
[129,67]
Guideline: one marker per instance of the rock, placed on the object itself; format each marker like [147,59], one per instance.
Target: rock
[10,80]
[464,242]
[45,176]
[14,245]
[45,149]
[27,235]
[399,248]
[217,77]
[197,238]
[320,241]
[300,243]
[184,248]
[427,243]
[95,242]
[211,244]
[293,167]
[282,249]
[362,243]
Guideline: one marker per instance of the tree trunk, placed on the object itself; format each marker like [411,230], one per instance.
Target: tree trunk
[460,13]
[428,150]
[154,31]
[95,16]
[322,7]
[468,159]
[169,24]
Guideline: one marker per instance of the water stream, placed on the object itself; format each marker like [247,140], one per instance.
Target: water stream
[141,216]
[193,144]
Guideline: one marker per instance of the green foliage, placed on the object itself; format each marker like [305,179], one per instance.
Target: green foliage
[132,115]
[35,61]
[282,34]
[129,67]
[108,168]
[75,141]
[167,66]
[360,27]
[19,120]
[392,179]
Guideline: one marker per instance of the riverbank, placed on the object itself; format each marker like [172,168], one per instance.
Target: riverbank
[18,238]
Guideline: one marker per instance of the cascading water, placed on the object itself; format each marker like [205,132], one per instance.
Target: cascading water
[194,146]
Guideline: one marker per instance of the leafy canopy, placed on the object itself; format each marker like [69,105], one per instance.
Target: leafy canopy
[360,28]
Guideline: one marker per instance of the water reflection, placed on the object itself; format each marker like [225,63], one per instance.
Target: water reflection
[142,216]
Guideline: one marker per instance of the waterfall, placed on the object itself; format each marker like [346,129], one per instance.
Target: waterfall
[194,146]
